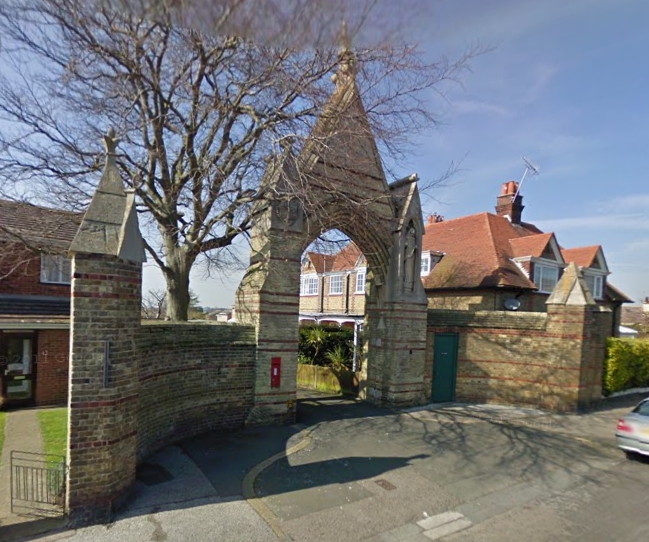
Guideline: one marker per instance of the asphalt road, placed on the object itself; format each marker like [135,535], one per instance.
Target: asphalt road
[356,472]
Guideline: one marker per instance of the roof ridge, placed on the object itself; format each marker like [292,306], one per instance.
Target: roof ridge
[492,241]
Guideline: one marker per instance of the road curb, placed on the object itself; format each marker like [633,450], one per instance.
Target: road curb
[248,484]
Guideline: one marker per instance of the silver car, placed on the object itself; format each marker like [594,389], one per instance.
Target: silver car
[632,433]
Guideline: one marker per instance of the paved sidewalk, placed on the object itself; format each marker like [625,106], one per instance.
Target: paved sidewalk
[351,471]
[22,432]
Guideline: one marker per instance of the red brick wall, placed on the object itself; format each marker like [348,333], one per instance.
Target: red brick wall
[20,272]
[52,367]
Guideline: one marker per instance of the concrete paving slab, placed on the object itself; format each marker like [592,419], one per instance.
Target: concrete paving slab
[447,529]
[440,519]
[22,433]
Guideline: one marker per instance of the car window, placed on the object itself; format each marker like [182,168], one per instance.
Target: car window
[642,408]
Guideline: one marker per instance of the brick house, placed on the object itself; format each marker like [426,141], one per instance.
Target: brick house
[34,303]
[499,262]
[332,287]
[483,261]
[513,316]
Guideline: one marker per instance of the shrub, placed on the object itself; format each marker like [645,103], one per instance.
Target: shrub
[326,346]
[626,365]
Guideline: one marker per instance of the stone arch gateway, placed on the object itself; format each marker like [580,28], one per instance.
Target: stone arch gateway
[337,182]
[137,388]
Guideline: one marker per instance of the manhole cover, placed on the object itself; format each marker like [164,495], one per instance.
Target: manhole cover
[385,484]
[152,474]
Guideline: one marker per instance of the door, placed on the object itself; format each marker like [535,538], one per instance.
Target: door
[444,367]
[17,368]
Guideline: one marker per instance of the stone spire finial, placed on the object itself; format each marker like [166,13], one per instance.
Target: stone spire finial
[110,225]
[346,57]
[571,289]
[111,141]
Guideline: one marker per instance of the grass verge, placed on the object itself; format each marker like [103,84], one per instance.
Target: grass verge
[54,430]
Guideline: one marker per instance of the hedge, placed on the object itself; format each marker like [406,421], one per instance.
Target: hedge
[626,365]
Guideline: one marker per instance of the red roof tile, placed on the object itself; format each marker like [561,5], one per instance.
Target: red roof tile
[344,260]
[532,245]
[582,256]
[478,252]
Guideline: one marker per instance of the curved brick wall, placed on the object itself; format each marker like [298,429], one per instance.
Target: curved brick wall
[193,379]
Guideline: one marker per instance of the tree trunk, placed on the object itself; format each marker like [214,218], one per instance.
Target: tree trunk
[178,264]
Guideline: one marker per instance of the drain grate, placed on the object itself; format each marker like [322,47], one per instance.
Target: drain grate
[385,484]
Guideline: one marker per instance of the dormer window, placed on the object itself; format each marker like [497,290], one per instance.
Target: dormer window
[429,260]
[595,284]
[425,263]
[545,277]
[55,269]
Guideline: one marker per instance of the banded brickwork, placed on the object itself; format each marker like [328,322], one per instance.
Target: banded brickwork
[551,360]
[192,379]
[104,385]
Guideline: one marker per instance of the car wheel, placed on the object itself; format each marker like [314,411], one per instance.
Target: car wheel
[630,455]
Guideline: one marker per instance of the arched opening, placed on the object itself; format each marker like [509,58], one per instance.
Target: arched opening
[333,281]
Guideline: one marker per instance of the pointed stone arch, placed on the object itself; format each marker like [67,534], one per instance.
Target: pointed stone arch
[337,182]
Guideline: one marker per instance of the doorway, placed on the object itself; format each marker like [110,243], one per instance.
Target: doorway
[18,369]
[444,367]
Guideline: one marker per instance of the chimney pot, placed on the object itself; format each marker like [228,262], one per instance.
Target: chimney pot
[508,203]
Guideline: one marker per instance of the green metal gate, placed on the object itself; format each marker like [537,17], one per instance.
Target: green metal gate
[444,367]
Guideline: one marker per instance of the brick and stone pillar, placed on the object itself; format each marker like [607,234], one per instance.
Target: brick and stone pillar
[574,316]
[268,299]
[105,318]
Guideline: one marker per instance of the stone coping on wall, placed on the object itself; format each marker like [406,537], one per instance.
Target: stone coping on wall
[220,331]
[487,319]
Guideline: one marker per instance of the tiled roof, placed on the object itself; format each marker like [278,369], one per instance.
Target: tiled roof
[40,227]
[344,260]
[477,252]
[614,294]
[582,256]
[634,315]
[12,304]
[320,262]
[532,245]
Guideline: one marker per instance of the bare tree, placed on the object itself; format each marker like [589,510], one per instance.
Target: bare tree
[199,113]
[154,303]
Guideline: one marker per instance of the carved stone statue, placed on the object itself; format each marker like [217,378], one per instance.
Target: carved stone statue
[410,259]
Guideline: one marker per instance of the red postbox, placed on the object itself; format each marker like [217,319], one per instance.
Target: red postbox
[275,372]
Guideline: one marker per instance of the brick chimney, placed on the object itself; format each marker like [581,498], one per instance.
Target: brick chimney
[507,206]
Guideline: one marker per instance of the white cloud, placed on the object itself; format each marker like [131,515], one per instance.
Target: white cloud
[628,202]
[631,222]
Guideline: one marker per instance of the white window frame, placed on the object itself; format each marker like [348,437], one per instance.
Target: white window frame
[425,263]
[597,287]
[540,269]
[309,285]
[338,282]
[361,275]
[55,269]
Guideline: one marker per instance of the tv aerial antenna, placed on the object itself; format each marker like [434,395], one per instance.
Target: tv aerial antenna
[529,168]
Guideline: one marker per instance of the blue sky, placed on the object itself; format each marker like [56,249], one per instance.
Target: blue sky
[565,84]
